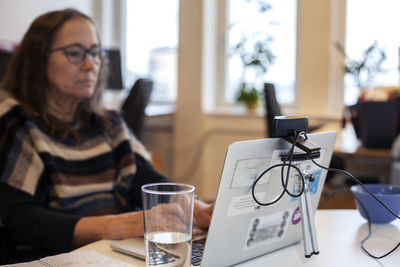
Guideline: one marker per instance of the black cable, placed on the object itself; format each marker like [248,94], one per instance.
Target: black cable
[370,233]
[284,182]
[360,183]
[290,156]
[295,140]
[363,207]
[332,194]
[283,191]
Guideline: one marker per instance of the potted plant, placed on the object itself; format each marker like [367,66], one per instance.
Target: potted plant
[365,70]
[254,53]
[248,95]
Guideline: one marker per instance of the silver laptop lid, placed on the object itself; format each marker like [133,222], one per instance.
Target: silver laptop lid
[240,229]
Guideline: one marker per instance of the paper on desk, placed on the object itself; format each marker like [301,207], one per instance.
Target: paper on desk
[75,258]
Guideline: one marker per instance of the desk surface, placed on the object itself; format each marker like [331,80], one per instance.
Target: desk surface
[339,235]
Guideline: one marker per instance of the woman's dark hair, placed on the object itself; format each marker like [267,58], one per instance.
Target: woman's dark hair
[26,77]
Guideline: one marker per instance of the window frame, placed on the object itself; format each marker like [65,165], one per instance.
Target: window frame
[333,95]
[333,18]
[126,80]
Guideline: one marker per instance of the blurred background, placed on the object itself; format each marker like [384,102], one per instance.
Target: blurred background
[335,61]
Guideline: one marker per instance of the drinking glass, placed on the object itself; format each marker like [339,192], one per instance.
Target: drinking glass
[168,221]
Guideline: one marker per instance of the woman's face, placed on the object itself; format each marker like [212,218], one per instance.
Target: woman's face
[69,78]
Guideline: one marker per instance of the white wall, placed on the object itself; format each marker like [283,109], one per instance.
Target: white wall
[17,15]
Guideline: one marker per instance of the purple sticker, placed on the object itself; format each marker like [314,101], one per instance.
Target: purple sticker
[296,218]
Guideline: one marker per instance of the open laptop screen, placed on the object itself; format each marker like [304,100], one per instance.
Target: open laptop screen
[240,229]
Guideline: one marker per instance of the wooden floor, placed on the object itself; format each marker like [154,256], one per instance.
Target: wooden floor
[342,199]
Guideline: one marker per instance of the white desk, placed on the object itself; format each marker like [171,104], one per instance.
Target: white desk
[339,234]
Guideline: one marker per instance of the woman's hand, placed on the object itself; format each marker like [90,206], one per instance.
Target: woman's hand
[201,216]
[201,213]
[130,224]
[126,225]
[111,227]
[167,217]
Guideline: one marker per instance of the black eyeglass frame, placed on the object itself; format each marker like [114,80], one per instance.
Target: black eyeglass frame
[93,54]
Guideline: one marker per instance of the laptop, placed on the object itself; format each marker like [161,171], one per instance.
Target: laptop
[240,229]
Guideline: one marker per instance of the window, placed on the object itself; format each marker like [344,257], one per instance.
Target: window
[273,24]
[367,22]
[151,45]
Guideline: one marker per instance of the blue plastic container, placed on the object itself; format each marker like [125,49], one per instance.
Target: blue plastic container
[388,194]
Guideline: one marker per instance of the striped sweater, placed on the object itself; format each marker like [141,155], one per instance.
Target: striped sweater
[102,173]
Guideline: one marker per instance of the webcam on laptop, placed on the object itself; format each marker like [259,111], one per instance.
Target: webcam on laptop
[290,129]
[294,129]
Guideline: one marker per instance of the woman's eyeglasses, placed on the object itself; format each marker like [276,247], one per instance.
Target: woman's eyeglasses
[76,53]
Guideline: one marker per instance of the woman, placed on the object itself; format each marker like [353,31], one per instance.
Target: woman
[70,172]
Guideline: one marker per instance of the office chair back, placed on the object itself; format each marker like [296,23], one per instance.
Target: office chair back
[5,58]
[133,108]
[272,106]
[273,109]
[114,80]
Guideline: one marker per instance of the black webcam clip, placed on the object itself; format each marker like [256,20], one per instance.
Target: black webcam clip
[287,127]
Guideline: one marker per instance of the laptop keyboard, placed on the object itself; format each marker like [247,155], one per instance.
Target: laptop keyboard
[161,256]
[197,251]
